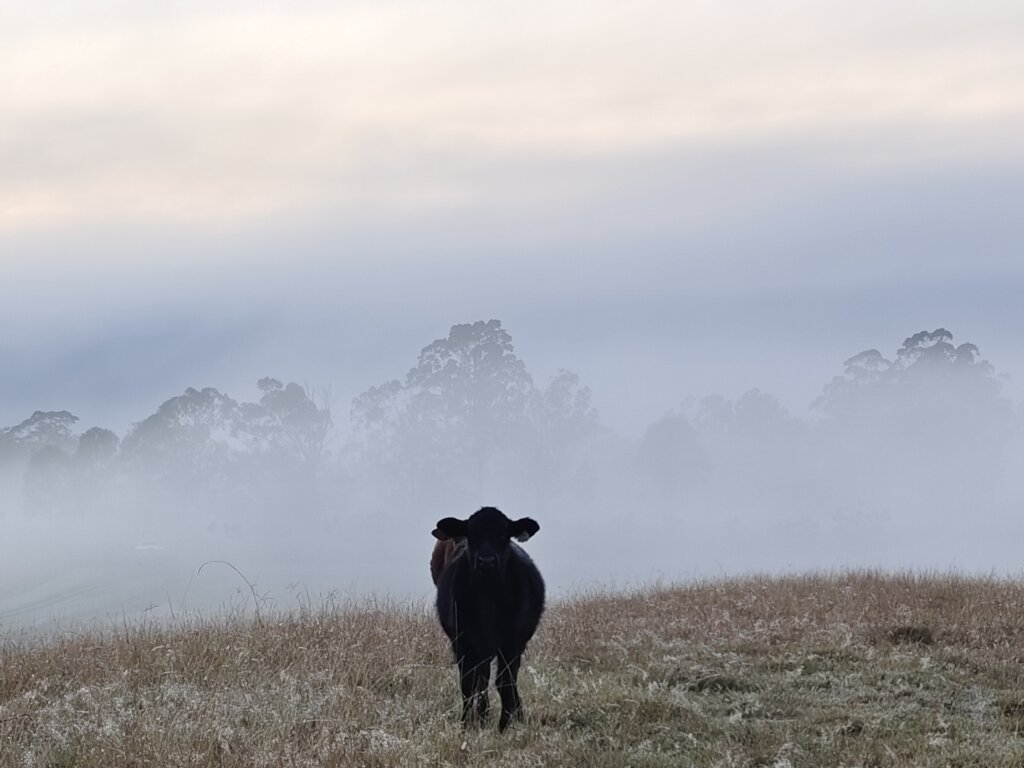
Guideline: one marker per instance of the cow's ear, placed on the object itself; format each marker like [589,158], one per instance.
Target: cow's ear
[450,528]
[439,535]
[523,528]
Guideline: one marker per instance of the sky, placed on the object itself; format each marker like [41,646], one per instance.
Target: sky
[669,198]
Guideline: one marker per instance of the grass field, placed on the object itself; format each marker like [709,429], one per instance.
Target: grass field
[844,670]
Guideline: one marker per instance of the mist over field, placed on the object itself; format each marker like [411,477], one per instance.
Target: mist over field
[704,288]
[909,458]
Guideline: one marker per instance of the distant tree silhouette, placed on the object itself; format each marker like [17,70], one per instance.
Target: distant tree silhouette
[285,435]
[39,482]
[287,424]
[97,447]
[671,458]
[563,412]
[472,382]
[722,454]
[47,481]
[189,442]
[207,450]
[42,428]
[929,421]
[467,411]
[565,429]
[94,473]
[467,397]
[927,365]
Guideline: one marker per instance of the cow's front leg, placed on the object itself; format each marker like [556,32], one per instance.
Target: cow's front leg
[474,675]
[511,704]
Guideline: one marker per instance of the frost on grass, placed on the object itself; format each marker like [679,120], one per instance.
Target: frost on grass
[111,715]
[763,672]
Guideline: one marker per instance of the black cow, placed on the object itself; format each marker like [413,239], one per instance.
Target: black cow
[490,597]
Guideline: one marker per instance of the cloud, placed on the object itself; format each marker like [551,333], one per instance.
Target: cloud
[417,165]
[206,117]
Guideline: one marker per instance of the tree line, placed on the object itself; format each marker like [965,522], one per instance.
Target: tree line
[468,424]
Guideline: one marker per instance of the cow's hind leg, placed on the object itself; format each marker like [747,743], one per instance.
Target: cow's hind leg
[511,704]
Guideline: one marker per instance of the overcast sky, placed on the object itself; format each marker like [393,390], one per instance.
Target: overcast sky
[669,198]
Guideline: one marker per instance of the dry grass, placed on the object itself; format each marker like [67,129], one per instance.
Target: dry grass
[845,670]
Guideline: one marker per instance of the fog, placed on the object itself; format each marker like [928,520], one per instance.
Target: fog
[908,458]
[283,284]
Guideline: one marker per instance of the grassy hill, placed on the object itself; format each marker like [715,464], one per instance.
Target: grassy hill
[844,670]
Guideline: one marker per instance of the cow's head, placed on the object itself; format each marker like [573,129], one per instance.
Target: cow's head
[487,533]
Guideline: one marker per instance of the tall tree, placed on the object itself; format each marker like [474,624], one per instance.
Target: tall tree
[47,481]
[97,447]
[466,398]
[928,371]
[466,415]
[288,424]
[213,453]
[42,428]
[471,382]
[38,482]
[930,423]
[188,446]
[671,459]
